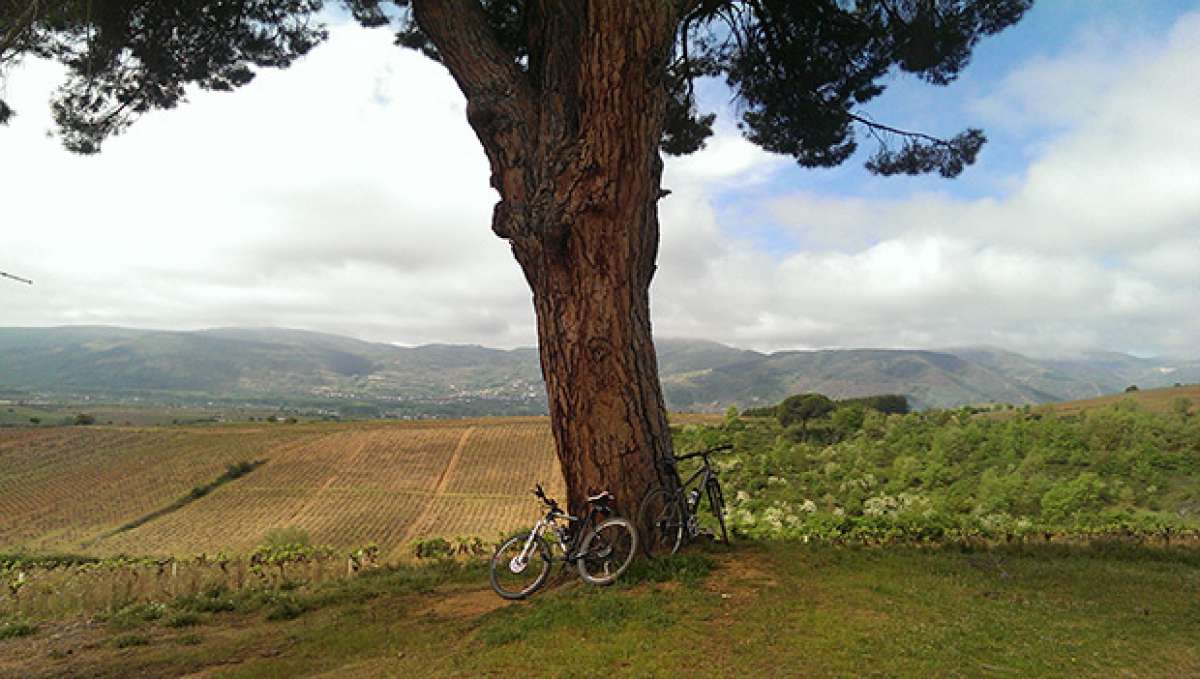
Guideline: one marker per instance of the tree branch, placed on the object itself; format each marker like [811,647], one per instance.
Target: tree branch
[895,130]
[501,105]
[471,52]
[22,24]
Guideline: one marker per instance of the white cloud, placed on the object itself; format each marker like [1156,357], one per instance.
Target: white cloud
[1096,246]
[348,195]
[345,194]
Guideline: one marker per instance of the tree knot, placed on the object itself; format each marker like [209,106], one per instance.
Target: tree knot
[599,349]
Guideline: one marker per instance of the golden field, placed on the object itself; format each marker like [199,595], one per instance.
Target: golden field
[72,489]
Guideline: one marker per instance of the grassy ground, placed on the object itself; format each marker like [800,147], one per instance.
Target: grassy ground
[1161,400]
[759,609]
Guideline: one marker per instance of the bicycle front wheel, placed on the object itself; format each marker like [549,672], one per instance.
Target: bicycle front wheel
[717,499]
[515,575]
[607,551]
[662,514]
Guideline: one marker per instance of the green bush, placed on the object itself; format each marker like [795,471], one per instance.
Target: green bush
[183,619]
[958,474]
[802,408]
[286,536]
[130,640]
[17,628]
[433,548]
[1068,499]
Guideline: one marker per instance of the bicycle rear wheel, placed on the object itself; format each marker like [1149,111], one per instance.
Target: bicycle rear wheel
[716,499]
[607,551]
[662,514]
[514,577]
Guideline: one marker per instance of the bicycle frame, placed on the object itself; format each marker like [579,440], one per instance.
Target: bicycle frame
[705,471]
[567,538]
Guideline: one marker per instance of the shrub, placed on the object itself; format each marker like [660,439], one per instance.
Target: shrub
[1065,500]
[183,619]
[286,537]
[240,469]
[433,548]
[17,628]
[130,640]
[1181,406]
[287,608]
[890,404]
[848,419]
[801,408]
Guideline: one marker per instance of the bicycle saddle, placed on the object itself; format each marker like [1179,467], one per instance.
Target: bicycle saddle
[603,496]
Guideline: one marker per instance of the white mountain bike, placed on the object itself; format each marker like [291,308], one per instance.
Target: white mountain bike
[600,545]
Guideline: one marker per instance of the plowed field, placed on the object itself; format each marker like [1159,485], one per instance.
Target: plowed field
[73,488]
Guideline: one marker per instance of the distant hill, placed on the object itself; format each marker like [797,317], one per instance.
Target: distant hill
[273,363]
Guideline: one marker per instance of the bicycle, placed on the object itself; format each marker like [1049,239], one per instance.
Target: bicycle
[600,551]
[672,515]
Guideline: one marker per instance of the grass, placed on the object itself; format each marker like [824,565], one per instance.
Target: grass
[16,629]
[131,640]
[1160,400]
[183,619]
[760,609]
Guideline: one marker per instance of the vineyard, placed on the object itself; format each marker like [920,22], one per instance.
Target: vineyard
[86,489]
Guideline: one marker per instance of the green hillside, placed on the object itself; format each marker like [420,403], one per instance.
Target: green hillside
[249,364]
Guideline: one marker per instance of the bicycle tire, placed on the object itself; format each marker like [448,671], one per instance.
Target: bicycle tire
[502,564]
[607,551]
[716,499]
[662,513]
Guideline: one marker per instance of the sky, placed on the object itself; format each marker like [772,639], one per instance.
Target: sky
[348,195]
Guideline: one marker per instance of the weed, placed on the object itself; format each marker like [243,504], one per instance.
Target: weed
[215,599]
[189,640]
[287,609]
[183,619]
[12,630]
[287,536]
[583,610]
[686,569]
[131,640]
[433,548]
[134,614]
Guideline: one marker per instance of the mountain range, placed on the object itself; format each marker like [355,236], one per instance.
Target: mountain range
[262,364]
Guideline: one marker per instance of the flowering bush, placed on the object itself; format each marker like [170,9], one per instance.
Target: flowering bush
[959,475]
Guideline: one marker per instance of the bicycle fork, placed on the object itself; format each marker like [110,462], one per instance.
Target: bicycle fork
[520,561]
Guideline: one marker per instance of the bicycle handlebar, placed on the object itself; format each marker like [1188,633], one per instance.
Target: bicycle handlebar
[710,451]
[549,502]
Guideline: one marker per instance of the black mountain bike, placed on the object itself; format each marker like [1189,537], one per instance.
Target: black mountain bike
[600,545]
[672,516]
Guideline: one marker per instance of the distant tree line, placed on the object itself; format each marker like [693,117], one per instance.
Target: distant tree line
[884,403]
[818,418]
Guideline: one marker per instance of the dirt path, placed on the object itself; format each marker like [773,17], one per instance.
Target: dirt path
[417,526]
[348,461]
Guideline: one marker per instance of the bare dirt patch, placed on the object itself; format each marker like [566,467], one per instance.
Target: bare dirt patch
[465,605]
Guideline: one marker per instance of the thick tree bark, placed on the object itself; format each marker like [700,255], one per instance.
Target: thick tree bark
[573,139]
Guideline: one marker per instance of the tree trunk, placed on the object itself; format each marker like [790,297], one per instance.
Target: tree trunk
[593,312]
[573,141]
